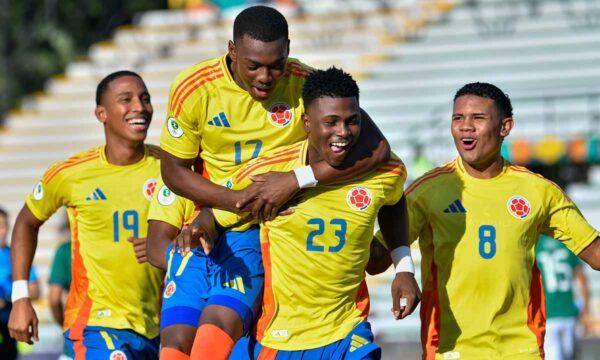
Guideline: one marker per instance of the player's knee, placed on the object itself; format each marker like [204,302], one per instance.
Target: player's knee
[178,337]
[225,318]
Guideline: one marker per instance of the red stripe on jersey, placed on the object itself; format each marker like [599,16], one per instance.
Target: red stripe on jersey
[266,160]
[193,77]
[362,300]
[193,87]
[265,163]
[527,171]
[536,308]
[78,297]
[268,303]
[69,163]
[430,317]
[267,354]
[430,175]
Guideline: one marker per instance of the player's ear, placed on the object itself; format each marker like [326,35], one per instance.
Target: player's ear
[231,50]
[506,127]
[100,113]
[306,123]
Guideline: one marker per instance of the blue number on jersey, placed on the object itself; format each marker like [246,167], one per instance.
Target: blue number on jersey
[237,147]
[487,235]
[130,220]
[340,233]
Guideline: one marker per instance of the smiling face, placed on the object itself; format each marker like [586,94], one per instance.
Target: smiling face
[258,65]
[125,109]
[333,127]
[478,130]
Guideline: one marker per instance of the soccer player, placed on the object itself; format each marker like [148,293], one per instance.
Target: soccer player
[111,309]
[560,270]
[478,219]
[315,300]
[234,108]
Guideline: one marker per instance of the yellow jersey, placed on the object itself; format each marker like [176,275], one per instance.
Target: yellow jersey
[207,110]
[106,205]
[315,258]
[482,292]
[168,207]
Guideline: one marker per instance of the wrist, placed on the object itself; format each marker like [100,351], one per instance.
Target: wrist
[305,177]
[402,260]
[20,290]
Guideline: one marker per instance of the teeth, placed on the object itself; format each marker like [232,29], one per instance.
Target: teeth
[339,144]
[137,121]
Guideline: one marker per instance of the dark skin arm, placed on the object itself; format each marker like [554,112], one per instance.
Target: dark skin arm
[591,254]
[160,234]
[379,258]
[277,188]
[23,321]
[178,175]
[393,221]
[203,231]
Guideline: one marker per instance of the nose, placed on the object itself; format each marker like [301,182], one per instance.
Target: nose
[137,104]
[467,124]
[264,75]
[343,130]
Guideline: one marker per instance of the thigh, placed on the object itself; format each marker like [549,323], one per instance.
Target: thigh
[186,289]
[98,345]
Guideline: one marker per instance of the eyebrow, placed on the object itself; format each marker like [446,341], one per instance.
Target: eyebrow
[258,63]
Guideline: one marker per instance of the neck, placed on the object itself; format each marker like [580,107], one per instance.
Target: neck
[312,156]
[487,170]
[123,153]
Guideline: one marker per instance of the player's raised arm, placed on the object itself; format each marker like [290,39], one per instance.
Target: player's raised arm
[23,321]
[406,295]
[591,254]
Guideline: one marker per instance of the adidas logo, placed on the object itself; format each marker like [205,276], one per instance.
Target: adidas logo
[96,195]
[219,121]
[456,207]
[236,284]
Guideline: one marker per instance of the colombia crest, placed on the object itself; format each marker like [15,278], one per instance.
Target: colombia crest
[359,198]
[280,114]
[518,206]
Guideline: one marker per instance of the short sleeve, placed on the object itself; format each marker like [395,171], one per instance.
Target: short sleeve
[565,222]
[394,187]
[48,195]
[180,134]
[168,207]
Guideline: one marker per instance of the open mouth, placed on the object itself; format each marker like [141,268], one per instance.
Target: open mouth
[338,147]
[261,91]
[468,143]
[138,123]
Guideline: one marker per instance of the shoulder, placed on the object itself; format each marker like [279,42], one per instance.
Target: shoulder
[193,80]
[297,71]
[71,165]
[431,178]
[536,180]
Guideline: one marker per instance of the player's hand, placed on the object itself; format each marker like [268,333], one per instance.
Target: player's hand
[23,322]
[274,189]
[202,232]
[405,287]
[139,248]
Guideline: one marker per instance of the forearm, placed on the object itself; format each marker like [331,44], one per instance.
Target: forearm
[160,234]
[23,244]
[180,179]
[393,221]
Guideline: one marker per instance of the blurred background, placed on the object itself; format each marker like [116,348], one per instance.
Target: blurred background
[409,56]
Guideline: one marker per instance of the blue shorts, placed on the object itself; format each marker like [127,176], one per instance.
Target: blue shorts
[104,343]
[232,275]
[358,344]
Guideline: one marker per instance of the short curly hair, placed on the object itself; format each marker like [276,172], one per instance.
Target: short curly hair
[261,23]
[332,82]
[103,84]
[488,91]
